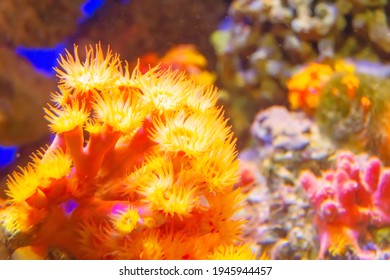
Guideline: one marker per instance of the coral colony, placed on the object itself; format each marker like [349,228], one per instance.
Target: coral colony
[143,166]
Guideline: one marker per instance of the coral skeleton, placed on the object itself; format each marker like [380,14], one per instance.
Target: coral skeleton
[143,166]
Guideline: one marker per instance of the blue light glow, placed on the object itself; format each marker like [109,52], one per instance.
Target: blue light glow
[69,206]
[91,6]
[43,59]
[7,155]
[226,23]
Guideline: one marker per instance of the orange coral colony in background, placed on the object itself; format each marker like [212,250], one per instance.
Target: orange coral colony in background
[143,166]
[305,86]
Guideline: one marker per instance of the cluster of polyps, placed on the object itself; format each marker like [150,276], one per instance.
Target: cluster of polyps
[142,167]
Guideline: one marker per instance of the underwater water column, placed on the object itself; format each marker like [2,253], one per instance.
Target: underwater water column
[7,155]
[44,60]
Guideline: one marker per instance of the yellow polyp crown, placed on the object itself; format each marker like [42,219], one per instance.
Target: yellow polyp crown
[14,220]
[188,132]
[123,115]
[242,252]
[166,90]
[96,71]
[22,185]
[126,221]
[67,118]
[55,165]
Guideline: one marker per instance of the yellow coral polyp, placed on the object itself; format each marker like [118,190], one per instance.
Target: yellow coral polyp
[67,118]
[18,218]
[229,252]
[152,248]
[203,98]
[177,200]
[97,235]
[14,219]
[126,221]
[96,71]
[22,185]
[55,165]
[191,133]
[164,193]
[219,169]
[123,115]
[166,90]
[169,245]
[94,127]
[156,176]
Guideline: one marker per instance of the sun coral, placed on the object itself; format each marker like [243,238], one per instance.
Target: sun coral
[347,202]
[138,169]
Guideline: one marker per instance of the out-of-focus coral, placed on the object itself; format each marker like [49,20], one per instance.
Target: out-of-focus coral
[277,209]
[289,140]
[348,201]
[304,87]
[23,93]
[279,220]
[264,41]
[142,167]
[37,23]
[357,119]
[182,57]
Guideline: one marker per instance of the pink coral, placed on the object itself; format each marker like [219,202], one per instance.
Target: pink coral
[347,202]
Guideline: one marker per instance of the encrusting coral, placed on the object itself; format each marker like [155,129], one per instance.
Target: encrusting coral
[348,201]
[143,166]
